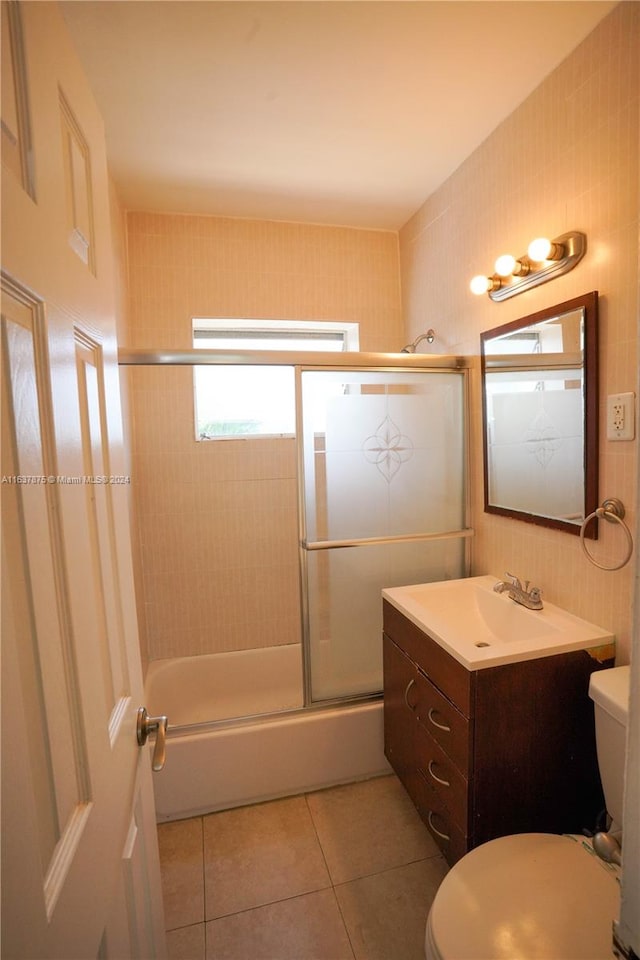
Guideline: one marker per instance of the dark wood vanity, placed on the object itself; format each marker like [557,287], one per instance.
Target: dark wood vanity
[494,751]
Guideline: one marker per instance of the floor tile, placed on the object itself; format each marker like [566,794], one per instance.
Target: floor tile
[256,855]
[367,827]
[386,913]
[186,943]
[181,864]
[303,928]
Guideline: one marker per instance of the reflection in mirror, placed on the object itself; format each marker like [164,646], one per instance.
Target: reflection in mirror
[540,406]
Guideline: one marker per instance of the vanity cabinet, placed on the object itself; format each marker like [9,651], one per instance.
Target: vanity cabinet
[489,752]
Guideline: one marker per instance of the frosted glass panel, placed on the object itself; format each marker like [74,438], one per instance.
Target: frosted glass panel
[536,451]
[383,457]
[384,453]
[345,607]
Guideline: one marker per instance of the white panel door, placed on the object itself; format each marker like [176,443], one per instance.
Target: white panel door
[80,874]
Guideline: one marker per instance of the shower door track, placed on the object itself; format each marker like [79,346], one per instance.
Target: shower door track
[309,360]
[276,716]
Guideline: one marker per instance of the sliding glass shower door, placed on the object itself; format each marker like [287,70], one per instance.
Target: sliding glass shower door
[384,504]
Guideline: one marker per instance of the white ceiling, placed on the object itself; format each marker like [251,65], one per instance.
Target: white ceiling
[345,111]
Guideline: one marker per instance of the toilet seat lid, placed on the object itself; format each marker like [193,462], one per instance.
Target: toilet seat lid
[532,895]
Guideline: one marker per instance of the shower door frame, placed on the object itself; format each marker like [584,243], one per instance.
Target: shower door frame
[303,362]
[355,362]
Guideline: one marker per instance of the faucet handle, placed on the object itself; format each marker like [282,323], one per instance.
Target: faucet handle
[514,580]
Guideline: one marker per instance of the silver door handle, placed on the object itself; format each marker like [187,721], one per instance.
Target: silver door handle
[157,725]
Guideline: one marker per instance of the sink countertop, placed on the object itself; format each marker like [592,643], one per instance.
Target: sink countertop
[481,628]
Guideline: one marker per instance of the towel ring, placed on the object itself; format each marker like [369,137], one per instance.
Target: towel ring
[613,511]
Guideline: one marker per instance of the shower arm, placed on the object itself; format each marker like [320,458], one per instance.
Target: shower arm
[429,336]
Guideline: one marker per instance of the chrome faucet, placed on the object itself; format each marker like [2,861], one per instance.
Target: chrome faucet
[529,598]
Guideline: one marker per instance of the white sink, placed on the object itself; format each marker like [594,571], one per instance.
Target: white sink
[481,628]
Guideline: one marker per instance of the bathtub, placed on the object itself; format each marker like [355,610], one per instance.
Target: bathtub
[215,762]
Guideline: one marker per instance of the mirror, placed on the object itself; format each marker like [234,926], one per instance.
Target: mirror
[540,414]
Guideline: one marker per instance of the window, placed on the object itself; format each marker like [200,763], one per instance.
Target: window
[256,400]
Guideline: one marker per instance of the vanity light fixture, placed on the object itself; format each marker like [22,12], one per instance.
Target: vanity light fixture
[544,260]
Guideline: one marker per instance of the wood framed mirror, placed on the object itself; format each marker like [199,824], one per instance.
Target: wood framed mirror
[540,416]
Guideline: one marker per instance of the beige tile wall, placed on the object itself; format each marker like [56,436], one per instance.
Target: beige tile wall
[216,522]
[184,266]
[566,159]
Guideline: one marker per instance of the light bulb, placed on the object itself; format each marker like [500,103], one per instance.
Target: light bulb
[539,249]
[480,285]
[544,249]
[505,265]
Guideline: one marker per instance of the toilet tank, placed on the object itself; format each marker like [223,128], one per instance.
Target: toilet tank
[609,690]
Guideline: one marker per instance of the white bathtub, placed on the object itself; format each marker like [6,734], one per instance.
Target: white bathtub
[219,686]
[222,765]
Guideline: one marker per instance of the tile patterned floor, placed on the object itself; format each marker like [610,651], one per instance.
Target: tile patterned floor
[347,873]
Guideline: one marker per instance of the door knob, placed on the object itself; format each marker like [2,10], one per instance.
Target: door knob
[157,725]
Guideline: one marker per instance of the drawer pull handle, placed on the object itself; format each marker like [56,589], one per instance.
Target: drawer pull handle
[437,832]
[445,783]
[440,726]
[412,706]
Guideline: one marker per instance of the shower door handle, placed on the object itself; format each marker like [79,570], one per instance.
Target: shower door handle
[157,725]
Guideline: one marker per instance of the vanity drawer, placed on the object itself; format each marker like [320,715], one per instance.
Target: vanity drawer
[448,727]
[438,819]
[444,778]
[449,675]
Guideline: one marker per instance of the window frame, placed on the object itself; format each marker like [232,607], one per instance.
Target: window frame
[315,330]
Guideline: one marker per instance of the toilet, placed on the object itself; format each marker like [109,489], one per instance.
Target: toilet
[538,895]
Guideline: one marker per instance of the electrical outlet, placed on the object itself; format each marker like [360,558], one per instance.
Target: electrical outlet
[618,416]
[621,416]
